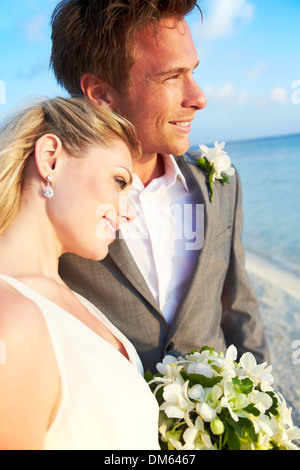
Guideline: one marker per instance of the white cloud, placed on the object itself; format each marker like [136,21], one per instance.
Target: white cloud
[36,27]
[226,94]
[278,96]
[256,71]
[223,18]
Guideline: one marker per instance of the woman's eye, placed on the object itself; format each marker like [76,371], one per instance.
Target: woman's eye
[121,182]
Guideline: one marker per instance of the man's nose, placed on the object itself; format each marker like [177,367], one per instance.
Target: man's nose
[195,97]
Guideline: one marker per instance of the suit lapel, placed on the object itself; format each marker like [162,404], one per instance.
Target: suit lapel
[121,256]
[195,177]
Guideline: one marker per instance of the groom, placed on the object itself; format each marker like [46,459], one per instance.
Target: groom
[175,280]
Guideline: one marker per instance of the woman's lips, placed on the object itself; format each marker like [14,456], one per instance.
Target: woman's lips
[112,227]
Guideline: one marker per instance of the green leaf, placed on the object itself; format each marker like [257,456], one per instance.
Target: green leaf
[225,178]
[248,425]
[207,348]
[251,409]
[200,379]
[273,409]
[174,434]
[233,439]
[204,164]
[148,376]
[242,386]
[216,369]
[237,426]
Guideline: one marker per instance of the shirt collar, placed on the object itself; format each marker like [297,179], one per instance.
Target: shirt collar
[172,173]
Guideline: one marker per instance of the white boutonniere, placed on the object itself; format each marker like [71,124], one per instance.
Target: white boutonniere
[217,164]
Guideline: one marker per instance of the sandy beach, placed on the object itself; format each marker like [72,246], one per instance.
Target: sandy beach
[279,295]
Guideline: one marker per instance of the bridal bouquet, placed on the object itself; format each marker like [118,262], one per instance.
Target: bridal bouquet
[208,401]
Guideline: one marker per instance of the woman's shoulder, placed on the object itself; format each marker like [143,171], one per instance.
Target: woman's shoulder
[23,329]
[18,312]
[29,378]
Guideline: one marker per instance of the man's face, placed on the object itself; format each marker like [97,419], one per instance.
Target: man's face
[163,97]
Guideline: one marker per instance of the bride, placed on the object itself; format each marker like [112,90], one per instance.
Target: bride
[71,380]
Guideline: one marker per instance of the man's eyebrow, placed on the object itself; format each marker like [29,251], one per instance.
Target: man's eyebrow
[175,71]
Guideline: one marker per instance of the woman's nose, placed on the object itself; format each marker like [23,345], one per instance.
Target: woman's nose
[126,214]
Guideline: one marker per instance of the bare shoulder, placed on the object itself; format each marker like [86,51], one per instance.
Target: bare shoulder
[29,379]
[18,314]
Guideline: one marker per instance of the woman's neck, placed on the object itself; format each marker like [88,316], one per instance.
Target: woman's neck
[28,246]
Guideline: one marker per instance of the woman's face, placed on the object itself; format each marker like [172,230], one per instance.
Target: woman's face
[90,199]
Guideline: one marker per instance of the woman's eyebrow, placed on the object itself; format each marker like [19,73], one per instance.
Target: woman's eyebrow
[130,175]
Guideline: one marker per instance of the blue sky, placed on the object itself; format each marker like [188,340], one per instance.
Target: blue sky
[249,62]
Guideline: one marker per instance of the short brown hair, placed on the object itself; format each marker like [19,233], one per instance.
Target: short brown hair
[93,36]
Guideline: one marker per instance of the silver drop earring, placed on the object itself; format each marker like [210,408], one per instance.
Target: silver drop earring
[48,191]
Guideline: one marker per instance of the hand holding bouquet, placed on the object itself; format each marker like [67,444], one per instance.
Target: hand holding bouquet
[208,401]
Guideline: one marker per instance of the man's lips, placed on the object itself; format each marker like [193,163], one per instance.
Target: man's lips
[184,126]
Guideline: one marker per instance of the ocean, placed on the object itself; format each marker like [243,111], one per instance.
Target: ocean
[270,173]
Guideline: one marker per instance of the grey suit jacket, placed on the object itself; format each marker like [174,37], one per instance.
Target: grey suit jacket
[219,307]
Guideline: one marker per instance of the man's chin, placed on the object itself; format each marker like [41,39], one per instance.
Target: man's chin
[181,149]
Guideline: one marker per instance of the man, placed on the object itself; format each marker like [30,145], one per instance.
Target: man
[176,279]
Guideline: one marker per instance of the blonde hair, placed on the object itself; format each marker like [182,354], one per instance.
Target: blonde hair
[77,122]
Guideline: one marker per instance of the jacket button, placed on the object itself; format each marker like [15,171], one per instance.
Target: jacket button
[170,346]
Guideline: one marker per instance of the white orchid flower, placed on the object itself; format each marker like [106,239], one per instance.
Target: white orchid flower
[201,369]
[177,403]
[164,367]
[196,438]
[220,160]
[235,402]
[260,374]
[207,401]
[217,164]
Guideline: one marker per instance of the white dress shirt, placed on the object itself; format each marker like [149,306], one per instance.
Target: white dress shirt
[166,234]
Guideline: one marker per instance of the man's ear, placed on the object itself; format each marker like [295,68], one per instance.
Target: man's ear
[97,90]
[47,150]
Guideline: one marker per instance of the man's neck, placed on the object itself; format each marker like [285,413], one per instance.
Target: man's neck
[148,169]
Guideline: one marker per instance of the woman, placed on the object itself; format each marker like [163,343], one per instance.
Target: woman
[71,380]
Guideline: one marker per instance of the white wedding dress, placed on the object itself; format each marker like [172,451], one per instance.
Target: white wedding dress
[105,402]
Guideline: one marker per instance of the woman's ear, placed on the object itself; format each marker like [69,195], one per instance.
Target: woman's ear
[97,90]
[47,150]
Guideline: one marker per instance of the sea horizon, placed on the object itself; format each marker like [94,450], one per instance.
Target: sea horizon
[246,139]
[269,168]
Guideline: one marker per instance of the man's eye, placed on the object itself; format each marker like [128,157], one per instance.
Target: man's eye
[121,182]
[173,77]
